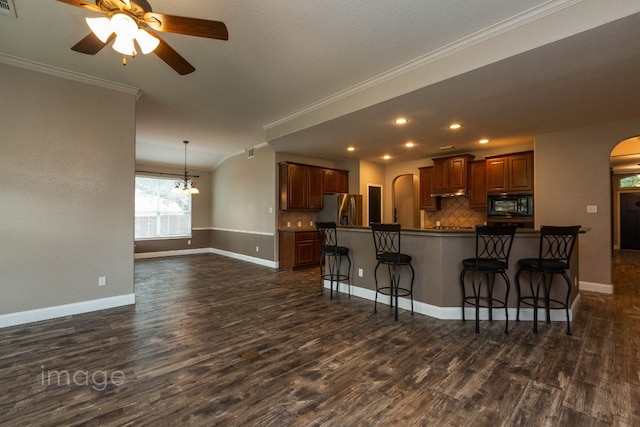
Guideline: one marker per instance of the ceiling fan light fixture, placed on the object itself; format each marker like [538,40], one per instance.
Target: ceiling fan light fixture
[124,46]
[146,41]
[126,30]
[101,27]
[124,26]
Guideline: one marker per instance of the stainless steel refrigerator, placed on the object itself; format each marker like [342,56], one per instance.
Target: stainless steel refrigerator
[343,209]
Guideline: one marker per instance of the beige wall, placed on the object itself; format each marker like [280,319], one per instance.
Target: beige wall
[66,185]
[571,172]
[371,174]
[244,210]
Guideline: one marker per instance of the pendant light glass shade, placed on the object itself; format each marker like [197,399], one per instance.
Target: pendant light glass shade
[101,27]
[124,46]
[146,41]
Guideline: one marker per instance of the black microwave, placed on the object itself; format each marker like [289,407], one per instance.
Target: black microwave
[510,206]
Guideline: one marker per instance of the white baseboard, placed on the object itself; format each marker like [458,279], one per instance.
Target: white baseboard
[596,287]
[37,315]
[161,254]
[254,260]
[251,259]
[455,313]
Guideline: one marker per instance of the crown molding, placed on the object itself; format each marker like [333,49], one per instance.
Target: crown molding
[70,75]
[476,38]
[237,153]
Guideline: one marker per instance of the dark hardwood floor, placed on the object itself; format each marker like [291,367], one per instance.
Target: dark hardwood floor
[216,341]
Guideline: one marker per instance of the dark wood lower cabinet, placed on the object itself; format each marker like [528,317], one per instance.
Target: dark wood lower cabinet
[298,249]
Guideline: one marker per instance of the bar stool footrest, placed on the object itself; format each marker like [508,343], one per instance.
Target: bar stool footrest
[388,290]
[495,303]
[542,303]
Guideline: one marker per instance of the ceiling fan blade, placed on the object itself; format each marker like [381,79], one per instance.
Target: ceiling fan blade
[91,44]
[173,58]
[187,26]
[83,4]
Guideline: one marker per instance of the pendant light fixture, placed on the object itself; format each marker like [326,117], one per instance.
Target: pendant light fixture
[186,185]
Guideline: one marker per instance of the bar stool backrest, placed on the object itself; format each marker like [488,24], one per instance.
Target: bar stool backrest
[494,242]
[556,243]
[327,235]
[386,239]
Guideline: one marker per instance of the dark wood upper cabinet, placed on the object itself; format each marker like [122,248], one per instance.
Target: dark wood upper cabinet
[426,183]
[336,181]
[510,173]
[300,187]
[478,185]
[450,174]
[315,176]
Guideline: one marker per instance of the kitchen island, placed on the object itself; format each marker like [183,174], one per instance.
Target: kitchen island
[437,259]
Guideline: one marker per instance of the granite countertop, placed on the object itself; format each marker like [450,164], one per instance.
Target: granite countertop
[469,230]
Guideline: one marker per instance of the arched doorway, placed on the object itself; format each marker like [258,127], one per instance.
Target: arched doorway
[625,194]
[405,199]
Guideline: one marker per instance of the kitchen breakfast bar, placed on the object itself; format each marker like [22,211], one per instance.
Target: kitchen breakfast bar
[437,260]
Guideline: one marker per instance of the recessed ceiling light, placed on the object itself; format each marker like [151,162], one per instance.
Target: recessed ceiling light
[386,157]
[483,141]
[400,121]
[455,126]
[410,144]
[351,148]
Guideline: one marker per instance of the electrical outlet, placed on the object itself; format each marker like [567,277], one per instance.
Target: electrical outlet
[102,281]
[592,208]
[360,272]
[188,242]
[270,210]
[310,223]
[299,223]
[257,248]
[288,223]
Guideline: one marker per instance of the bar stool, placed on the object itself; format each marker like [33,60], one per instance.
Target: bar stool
[556,246]
[331,258]
[493,246]
[386,239]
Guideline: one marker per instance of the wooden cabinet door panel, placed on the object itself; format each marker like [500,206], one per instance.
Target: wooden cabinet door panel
[335,181]
[330,185]
[478,185]
[305,253]
[297,187]
[426,201]
[521,172]
[314,191]
[439,181]
[342,182]
[457,174]
[497,175]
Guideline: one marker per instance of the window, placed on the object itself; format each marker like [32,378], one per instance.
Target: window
[632,181]
[160,213]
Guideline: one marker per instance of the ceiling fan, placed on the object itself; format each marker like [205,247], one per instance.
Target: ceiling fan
[126,20]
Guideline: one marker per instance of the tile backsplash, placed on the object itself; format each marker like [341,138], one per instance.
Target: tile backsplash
[455,212]
[306,219]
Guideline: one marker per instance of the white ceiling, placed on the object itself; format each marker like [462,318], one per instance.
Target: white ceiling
[311,77]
